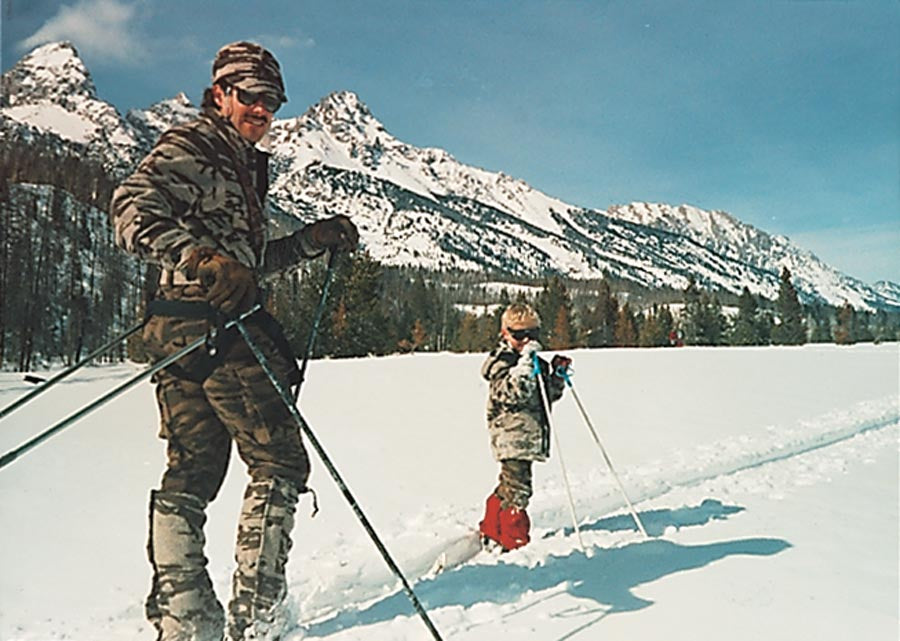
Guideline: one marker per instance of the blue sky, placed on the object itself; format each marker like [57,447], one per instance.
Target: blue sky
[785,114]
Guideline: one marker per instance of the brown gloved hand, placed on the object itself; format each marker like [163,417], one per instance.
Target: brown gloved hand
[231,286]
[337,233]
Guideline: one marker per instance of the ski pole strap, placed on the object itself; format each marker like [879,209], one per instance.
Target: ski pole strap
[535,365]
[218,340]
[198,309]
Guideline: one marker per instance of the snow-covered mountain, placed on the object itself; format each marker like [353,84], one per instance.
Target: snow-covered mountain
[889,290]
[50,94]
[420,206]
[150,123]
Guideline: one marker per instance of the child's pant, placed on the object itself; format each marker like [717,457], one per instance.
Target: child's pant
[514,488]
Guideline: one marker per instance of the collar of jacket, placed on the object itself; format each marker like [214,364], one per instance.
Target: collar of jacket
[231,135]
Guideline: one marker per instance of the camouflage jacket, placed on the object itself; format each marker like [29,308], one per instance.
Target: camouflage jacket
[517,422]
[202,185]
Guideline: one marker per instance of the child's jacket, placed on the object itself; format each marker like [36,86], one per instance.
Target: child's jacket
[517,423]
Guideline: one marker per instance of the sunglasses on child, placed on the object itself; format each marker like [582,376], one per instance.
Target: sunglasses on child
[270,102]
[522,334]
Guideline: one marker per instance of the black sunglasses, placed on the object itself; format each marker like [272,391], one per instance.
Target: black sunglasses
[522,334]
[270,102]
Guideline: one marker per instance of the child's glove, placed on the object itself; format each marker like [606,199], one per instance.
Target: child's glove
[560,365]
[530,348]
[525,365]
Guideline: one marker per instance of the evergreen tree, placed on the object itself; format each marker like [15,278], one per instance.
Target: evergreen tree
[478,333]
[656,328]
[864,333]
[714,320]
[665,326]
[295,299]
[691,313]
[626,332]
[845,328]
[489,329]
[746,327]
[702,321]
[600,319]
[790,329]
[416,340]
[554,306]
[819,322]
[884,326]
[560,336]
[359,325]
[467,339]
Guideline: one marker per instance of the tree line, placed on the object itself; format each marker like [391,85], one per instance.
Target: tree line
[375,310]
[65,289]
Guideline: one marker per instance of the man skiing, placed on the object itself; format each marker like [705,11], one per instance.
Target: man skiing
[517,422]
[195,208]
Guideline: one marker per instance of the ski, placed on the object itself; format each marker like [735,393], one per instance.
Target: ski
[459,551]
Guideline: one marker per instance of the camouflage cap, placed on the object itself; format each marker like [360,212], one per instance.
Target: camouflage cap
[248,66]
[520,316]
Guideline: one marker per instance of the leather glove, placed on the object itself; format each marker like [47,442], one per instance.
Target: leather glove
[337,232]
[231,286]
[559,364]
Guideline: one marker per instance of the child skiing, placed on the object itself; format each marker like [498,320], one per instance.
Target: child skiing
[517,423]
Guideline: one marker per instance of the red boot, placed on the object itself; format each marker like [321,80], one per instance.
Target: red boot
[490,526]
[514,527]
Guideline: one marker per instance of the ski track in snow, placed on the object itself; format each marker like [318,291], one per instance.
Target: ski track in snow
[805,454]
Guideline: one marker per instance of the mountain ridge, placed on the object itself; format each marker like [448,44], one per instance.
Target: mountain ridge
[420,206]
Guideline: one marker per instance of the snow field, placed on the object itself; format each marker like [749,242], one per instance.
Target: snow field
[766,478]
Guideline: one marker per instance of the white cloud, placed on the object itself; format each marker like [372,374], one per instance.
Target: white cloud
[103,29]
[285,41]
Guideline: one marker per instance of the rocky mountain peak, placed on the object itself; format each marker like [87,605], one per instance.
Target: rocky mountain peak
[150,123]
[341,106]
[51,73]
[345,117]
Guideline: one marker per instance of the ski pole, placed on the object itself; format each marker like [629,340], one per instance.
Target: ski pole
[606,458]
[12,455]
[307,431]
[316,320]
[542,386]
[65,373]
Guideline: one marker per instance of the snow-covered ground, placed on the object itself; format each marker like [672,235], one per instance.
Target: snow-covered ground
[767,479]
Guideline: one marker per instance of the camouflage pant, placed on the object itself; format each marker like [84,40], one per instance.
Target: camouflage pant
[257,610]
[514,488]
[199,421]
[182,605]
[236,402]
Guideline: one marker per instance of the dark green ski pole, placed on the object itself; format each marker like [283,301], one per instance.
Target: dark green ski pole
[313,333]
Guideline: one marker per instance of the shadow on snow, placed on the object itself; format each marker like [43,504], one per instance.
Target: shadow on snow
[656,521]
[606,578]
